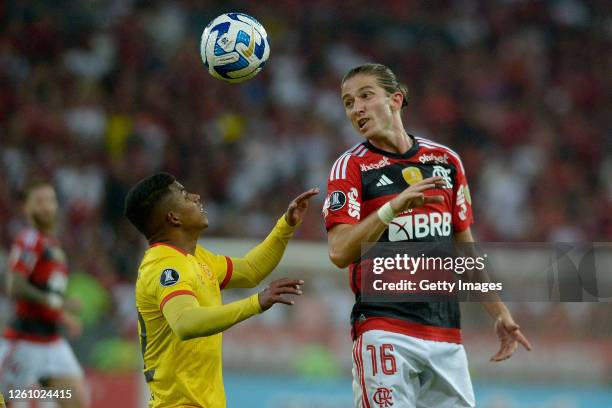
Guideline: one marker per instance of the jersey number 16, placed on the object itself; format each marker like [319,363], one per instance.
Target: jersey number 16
[387,360]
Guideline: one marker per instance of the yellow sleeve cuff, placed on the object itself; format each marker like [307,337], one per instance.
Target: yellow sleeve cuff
[254,301]
[283,227]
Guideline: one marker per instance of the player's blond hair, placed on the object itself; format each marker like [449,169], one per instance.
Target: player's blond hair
[385,77]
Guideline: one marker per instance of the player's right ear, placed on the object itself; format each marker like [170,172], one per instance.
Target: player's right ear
[173,218]
[397,99]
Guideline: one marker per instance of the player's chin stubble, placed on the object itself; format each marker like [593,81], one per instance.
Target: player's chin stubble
[42,221]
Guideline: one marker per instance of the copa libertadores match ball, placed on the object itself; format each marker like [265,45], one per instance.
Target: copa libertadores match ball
[234,47]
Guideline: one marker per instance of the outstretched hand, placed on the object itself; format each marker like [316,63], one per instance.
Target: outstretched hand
[273,293]
[509,335]
[299,205]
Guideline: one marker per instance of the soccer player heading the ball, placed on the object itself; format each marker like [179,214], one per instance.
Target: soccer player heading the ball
[178,290]
[405,353]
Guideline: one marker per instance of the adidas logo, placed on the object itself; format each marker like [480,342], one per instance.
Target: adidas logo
[384,181]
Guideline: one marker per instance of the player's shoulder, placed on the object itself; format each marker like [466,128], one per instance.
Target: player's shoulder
[210,258]
[163,250]
[203,254]
[350,157]
[29,237]
[202,251]
[159,257]
[431,151]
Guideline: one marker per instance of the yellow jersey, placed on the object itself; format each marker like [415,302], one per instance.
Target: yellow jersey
[180,373]
[184,373]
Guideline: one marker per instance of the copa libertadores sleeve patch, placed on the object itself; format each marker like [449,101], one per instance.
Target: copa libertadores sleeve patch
[337,199]
[169,277]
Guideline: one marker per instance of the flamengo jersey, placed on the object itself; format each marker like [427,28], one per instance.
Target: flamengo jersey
[362,180]
[180,373]
[40,259]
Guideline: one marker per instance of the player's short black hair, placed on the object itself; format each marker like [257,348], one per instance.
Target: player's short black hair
[141,200]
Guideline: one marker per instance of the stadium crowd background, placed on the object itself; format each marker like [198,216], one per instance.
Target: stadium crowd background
[98,94]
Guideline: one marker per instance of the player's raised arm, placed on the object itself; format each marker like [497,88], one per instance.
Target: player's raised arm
[251,269]
[345,239]
[189,320]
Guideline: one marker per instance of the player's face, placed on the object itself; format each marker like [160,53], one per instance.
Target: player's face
[368,106]
[41,206]
[190,207]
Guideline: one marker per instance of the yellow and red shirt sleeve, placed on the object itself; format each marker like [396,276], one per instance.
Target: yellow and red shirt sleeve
[221,265]
[256,265]
[175,276]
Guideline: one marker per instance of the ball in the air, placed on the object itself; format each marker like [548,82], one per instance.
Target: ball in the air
[234,47]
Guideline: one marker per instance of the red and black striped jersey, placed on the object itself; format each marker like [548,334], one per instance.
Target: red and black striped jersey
[42,261]
[362,180]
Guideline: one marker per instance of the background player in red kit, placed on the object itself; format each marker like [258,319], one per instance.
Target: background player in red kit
[394,187]
[33,353]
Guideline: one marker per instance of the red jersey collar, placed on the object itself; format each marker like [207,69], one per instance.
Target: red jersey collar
[408,154]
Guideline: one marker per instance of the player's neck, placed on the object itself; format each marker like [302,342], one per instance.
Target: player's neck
[182,240]
[43,229]
[398,142]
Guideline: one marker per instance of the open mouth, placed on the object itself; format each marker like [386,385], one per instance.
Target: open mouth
[362,122]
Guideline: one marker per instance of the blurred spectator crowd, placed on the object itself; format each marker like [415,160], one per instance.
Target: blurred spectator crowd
[96,95]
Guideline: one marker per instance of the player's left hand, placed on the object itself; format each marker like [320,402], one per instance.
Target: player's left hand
[275,291]
[299,205]
[73,326]
[73,305]
[509,335]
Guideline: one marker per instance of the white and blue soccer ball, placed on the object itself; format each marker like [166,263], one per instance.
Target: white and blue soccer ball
[234,47]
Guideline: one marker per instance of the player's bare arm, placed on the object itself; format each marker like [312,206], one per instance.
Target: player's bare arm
[19,287]
[507,330]
[345,239]
[72,324]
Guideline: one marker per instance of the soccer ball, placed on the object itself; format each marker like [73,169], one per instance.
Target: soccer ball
[234,47]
